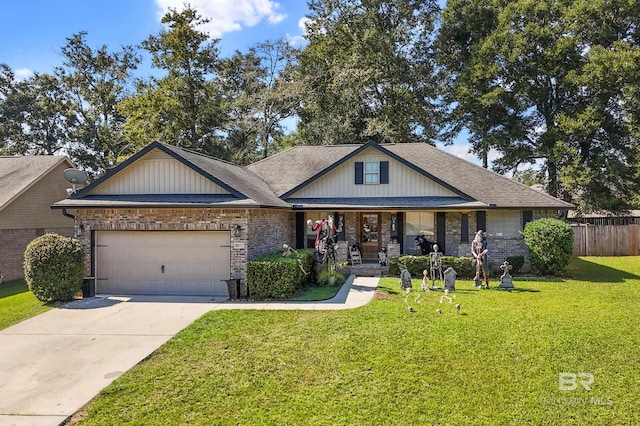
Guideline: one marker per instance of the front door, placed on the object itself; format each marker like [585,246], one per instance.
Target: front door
[370,238]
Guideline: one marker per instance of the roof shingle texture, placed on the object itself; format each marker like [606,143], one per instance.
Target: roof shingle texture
[239,178]
[285,170]
[17,174]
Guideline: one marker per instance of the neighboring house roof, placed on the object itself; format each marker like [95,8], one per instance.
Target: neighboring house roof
[245,189]
[18,174]
[603,214]
[477,188]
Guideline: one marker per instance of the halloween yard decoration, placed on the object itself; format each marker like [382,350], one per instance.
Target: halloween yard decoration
[479,251]
[435,263]
[425,245]
[325,244]
[506,280]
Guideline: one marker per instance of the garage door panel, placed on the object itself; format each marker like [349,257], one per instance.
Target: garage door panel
[195,262]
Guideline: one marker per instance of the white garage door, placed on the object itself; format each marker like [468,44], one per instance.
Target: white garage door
[163,262]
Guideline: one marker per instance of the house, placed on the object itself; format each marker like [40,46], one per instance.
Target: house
[171,221]
[28,187]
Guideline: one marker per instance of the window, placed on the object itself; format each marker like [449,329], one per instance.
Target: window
[417,223]
[371,173]
[504,223]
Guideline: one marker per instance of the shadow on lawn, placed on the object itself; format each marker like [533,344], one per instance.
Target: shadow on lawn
[11,288]
[584,270]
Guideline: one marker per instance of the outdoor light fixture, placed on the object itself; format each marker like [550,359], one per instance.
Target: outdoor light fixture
[78,230]
[236,231]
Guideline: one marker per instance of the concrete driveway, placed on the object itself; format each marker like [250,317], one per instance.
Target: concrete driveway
[54,363]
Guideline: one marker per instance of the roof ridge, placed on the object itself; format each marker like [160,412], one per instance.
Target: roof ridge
[194,152]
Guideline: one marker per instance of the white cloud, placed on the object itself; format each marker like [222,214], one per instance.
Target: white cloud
[22,74]
[229,15]
[298,40]
[460,151]
[302,24]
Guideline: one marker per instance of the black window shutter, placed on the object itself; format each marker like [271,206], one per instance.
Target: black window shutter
[527,216]
[464,229]
[400,217]
[384,172]
[359,172]
[441,230]
[301,230]
[481,221]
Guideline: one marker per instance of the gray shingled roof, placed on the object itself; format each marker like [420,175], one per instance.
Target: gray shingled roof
[239,178]
[17,174]
[247,189]
[288,169]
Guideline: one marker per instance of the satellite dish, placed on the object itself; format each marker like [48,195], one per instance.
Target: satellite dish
[75,176]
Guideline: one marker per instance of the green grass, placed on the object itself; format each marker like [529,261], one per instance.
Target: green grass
[322,292]
[497,362]
[17,303]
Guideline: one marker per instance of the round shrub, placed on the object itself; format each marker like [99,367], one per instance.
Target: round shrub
[53,267]
[550,245]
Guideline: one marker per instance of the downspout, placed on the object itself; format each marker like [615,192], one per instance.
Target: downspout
[64,212]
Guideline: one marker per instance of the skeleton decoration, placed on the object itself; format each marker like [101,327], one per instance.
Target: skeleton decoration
[382,256]
[435,262]
[446,296]
[425,280]
[288,251]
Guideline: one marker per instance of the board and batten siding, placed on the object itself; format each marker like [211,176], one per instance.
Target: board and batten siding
[403,181]
[158,173]
[32,208]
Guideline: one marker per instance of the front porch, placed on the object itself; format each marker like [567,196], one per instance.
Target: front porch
[369,269]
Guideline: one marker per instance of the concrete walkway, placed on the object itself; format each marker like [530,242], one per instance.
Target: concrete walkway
[54,363]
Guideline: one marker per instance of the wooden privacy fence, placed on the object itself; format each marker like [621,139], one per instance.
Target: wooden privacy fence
[606,240]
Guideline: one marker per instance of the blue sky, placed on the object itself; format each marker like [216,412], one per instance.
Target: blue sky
[32,32]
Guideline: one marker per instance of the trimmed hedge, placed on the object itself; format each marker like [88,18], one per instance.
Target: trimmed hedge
[54,267]
[275,276]
[416,264]
[550,245]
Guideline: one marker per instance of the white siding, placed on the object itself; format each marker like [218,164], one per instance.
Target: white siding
[403,182]
[158,173]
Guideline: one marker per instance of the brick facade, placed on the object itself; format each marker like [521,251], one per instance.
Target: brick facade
[13,243]
[261,231]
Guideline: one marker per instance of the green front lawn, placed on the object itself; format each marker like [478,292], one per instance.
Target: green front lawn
[496,362]
[17,303]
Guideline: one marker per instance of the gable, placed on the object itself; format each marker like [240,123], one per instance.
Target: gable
[402,180]
[31,208]
[156,172]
